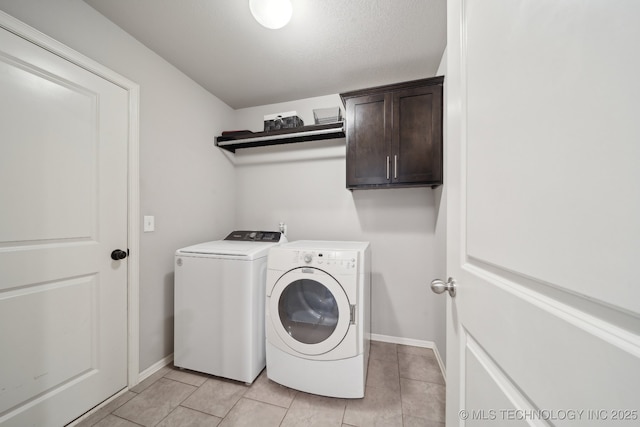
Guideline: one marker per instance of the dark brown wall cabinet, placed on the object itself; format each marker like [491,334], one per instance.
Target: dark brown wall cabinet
[394,135]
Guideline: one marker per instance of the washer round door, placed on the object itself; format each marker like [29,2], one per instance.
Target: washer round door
[310,311]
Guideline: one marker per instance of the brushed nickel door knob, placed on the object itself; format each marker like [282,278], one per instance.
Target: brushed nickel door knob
[439,286]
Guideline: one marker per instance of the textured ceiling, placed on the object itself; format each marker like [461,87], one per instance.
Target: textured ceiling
[330,46]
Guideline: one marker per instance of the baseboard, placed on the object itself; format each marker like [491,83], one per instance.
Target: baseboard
[415,343]
[155,368]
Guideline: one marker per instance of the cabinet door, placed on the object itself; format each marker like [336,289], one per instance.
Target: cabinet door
[417,136]
[368,140]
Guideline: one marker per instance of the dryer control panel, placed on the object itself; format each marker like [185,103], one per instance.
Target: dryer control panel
[255,236]
[346,260]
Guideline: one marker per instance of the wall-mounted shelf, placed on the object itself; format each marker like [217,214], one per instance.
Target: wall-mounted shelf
[283,136]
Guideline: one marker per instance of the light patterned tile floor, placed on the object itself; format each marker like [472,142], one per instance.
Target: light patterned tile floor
[404,388]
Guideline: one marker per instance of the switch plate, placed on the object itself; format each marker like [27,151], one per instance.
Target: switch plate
[149,223]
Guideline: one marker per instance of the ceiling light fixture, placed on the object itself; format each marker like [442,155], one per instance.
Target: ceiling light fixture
[272,14]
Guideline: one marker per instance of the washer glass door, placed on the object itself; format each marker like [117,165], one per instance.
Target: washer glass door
[310,311]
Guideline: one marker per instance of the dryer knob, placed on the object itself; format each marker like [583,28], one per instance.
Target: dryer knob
[308,258]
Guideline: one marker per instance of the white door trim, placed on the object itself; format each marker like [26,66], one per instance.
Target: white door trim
[133,89]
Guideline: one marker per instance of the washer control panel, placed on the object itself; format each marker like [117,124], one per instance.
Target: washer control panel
[254,236]
[343,260]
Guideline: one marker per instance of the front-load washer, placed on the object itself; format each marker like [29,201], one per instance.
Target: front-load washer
[219,305]
[318,316]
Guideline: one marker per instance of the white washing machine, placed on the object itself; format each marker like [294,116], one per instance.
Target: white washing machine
[318,316]
[219,305]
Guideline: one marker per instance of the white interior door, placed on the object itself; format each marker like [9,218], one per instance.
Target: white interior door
[63,195]
[543,212]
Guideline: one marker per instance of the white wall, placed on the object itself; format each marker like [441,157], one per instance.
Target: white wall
[304,185]
[178,123]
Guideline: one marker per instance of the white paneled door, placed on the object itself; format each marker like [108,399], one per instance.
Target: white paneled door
[543,212]
[63,210]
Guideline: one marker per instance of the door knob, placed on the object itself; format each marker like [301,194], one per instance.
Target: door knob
[118,254]
[438,286]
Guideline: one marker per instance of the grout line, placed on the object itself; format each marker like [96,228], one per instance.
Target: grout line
[196,410]
[182,382]
[234,405]
[125,419]
[181,402]
[268,403]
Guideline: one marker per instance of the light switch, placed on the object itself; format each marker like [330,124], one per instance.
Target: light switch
[149,223]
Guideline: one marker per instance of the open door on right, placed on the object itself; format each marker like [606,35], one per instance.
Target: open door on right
[543,212]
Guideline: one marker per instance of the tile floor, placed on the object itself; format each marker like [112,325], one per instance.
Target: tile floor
[404,388]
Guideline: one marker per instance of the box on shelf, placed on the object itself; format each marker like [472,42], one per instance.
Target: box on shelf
[324,116]
[279,121]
